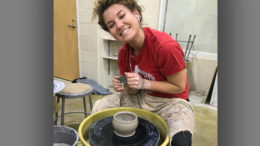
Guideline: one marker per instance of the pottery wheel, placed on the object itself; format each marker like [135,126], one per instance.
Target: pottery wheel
[102,134]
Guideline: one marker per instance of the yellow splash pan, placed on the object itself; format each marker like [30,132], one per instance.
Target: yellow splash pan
[155,119]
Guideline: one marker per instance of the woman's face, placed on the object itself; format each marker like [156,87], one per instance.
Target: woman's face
[121,22]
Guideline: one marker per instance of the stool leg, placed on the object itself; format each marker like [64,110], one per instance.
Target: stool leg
[62,111]
[85,107]
[56,115]
[90,102]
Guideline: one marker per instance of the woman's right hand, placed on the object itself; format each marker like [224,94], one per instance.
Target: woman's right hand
[119,87]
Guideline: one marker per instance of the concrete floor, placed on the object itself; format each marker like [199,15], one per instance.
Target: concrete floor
[205,133]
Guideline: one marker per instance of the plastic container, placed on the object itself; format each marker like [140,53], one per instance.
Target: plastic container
[64,136]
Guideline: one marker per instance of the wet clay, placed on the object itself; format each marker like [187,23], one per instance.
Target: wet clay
[125,117]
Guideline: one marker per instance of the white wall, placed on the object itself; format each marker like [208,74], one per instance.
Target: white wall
[194,17]
[88,47]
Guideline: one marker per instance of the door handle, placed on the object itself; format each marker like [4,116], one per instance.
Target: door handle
[72,26]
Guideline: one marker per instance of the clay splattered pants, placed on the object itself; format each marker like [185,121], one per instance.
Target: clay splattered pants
[178,113]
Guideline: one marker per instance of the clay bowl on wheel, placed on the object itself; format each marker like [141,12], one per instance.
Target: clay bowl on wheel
[124,123]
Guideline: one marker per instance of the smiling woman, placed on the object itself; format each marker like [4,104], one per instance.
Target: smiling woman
[152,63]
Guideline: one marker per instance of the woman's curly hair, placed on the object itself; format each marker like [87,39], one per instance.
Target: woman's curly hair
[102,5]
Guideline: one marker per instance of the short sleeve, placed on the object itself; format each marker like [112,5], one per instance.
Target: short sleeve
[170,58]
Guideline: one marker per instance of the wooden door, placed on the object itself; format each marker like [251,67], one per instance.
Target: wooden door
[66,60]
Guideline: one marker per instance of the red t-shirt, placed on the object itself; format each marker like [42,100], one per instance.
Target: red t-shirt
[159,57]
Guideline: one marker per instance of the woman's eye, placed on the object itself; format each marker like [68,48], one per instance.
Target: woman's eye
[121,16]
[111,25]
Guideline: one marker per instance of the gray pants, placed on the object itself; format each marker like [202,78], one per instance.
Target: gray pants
[177,112]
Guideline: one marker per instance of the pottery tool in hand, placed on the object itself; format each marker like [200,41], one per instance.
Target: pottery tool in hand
[122,79]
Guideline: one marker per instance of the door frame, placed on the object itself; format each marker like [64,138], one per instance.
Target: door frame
[78,29]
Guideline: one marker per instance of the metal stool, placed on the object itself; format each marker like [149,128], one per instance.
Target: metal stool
[74,90]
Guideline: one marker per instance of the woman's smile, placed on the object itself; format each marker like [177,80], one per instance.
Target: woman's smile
[124,32]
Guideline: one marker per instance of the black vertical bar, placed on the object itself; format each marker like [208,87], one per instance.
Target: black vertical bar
[90,102]
[85,107]
[187,47]
[62,110]
[108,53]
[56,115]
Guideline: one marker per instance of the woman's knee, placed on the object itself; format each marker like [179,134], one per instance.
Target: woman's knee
[182,138]
[108,101]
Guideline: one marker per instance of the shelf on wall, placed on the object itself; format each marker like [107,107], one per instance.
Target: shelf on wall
[111,57]
[108,61]
[108,56]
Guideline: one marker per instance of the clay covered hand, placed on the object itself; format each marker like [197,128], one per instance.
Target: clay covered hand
[135,81]
[117,85]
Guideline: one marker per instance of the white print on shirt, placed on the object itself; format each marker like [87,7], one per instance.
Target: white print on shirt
[143,74]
